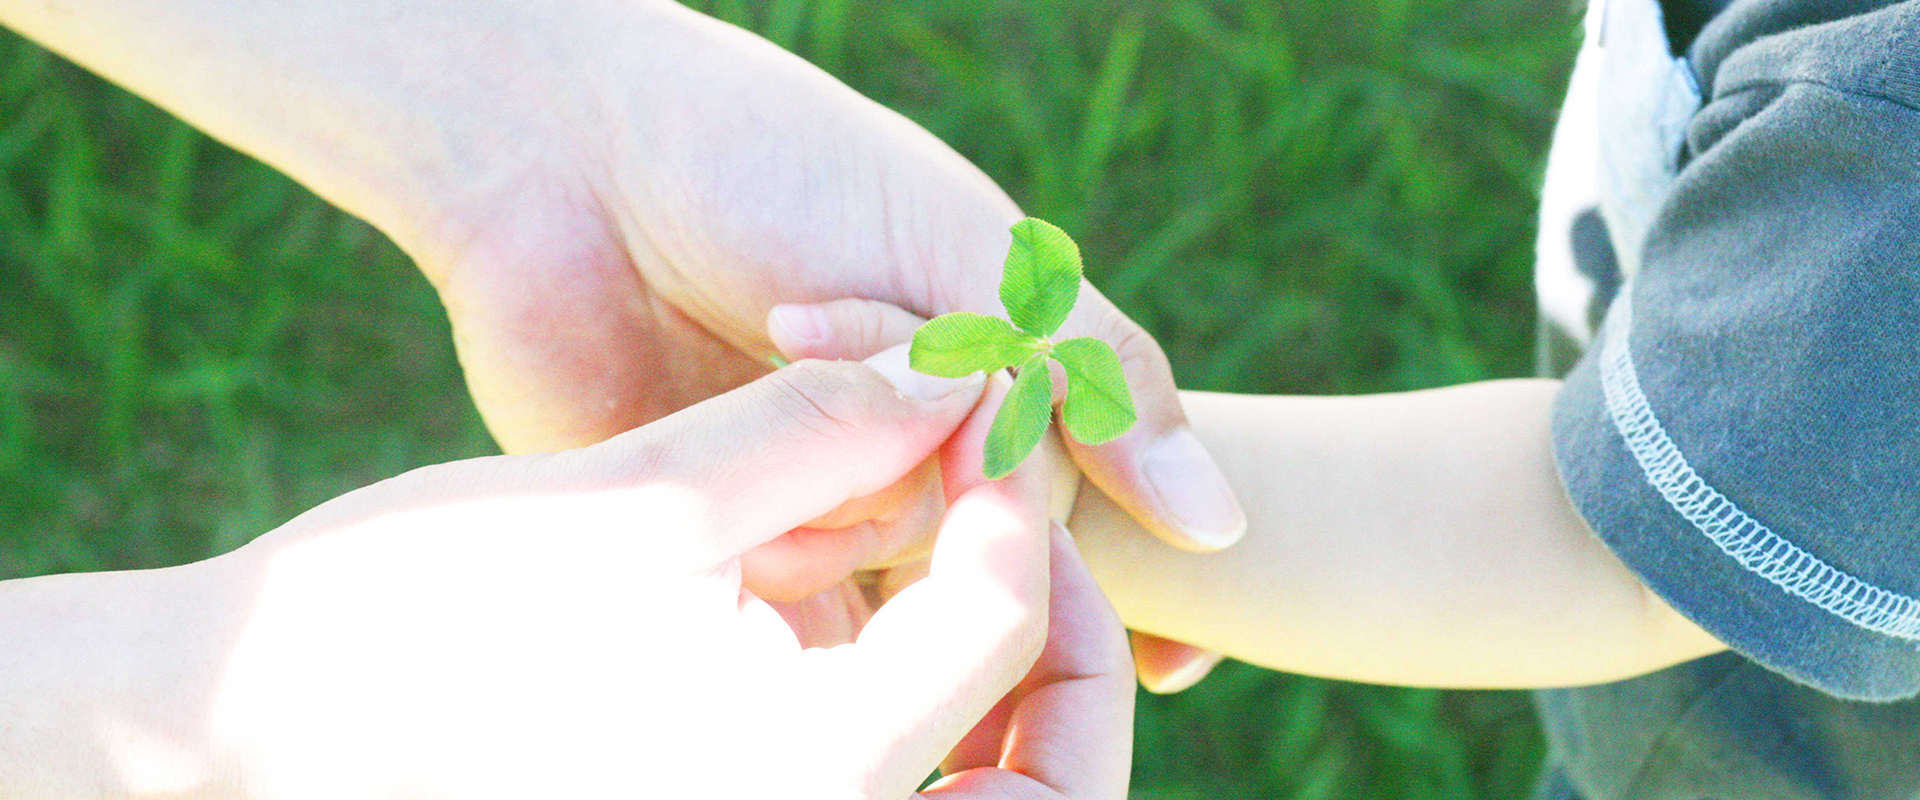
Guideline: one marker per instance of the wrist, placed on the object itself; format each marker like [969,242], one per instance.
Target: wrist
[512,151]
[403,115]
[523,154]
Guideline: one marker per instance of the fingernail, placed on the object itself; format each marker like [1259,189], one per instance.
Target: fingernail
[1192,491]
[800,323]
[1186,676]
[891,363]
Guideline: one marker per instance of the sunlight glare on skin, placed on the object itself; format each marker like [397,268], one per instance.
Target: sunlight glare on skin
[149,764]
[347,626]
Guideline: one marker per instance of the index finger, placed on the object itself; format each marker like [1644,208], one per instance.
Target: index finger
[937,656]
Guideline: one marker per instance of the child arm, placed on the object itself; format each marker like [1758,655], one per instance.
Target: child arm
[1421,538]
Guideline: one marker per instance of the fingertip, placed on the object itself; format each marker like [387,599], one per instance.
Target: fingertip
[1169,667]
[797,330]
[1180,678]
[893,364]
[962,456]
[839,330]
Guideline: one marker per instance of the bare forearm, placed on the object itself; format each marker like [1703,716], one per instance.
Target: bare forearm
[390,110]
[1420,538]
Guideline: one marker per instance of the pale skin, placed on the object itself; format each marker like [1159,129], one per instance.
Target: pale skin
[1419,539]
[577,625]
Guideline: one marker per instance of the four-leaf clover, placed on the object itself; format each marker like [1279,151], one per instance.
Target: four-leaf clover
[1039,287]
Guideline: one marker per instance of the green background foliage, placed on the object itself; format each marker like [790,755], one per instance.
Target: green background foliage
[1310,196]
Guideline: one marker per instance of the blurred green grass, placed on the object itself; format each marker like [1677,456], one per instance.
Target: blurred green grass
[1311,196]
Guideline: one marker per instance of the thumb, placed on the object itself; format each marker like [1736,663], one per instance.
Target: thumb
[756,462]
[849,328]
[1158,471]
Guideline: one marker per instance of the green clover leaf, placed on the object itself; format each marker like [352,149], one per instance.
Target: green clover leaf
[1039,287]
[1042,277]
[958,345]
[1021,420]
[1098,408]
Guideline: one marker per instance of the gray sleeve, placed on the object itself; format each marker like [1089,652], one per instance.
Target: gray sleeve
[1745,434]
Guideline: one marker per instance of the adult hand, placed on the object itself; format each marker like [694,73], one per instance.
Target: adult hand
[749,178]
[575,625]
[618,653]
[611,196]
[852,329]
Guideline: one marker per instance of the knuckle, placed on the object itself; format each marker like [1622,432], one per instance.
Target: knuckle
[1139,353]
[827,397]
[630,460]
[624,461]
[865,323]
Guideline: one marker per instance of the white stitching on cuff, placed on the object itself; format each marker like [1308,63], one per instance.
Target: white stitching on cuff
[1752,544]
